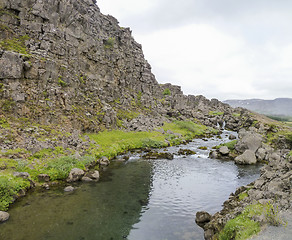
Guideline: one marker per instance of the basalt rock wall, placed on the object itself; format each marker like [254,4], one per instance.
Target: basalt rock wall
[65,62]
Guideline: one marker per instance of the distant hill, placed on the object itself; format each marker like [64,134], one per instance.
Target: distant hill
[276,107]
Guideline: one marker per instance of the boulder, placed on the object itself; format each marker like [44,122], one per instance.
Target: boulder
[44,177]
[202,218]
[21,174]
[224,150]
[13,66]
[69,189]
[104,161]
[156,155]
[213,154]
[86,179]
[93,175]
[4,216]
[248,140]
[232,137]
[247,158]
[186,152]
[75,175]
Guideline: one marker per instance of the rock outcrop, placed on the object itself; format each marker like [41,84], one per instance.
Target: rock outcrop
[67,63]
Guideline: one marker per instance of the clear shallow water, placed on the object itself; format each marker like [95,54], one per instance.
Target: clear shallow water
[136,200]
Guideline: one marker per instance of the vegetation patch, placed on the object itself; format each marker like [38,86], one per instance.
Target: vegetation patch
[60,168]
[166,92]
[215,113]
[242,226]
[126,114]
[109,43]
[112,143]
[230,145]
[242,196]
[9,187]
[16,45]
[236,115]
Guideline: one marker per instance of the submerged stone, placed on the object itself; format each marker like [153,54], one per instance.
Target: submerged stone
[4,216]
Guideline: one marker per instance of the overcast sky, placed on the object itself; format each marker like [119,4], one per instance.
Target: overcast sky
[225,49]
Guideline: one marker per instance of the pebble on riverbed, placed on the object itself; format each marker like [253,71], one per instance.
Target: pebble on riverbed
[4,216]
[69,189]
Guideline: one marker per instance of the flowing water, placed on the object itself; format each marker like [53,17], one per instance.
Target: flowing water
[136,200]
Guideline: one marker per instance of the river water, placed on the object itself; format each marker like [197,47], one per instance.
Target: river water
[136,200]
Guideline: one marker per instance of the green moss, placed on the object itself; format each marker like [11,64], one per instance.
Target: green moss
[109,43]
[16,45]
[215,113]
[242,196]
[203,148]
[187,129]
[242,226]
[126,114]
[7,12]
[151,143]
[4,123]
[7,105]
[5,28]
[236,115]
[166,92]
[230,145]
[61,82]
[112,143]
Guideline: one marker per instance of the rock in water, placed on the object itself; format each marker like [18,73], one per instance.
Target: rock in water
[4,216]
[75,175]
[224,150]
[202,218]
[247,158]
[69,189]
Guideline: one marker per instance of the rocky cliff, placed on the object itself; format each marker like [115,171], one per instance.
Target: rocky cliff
[64,62]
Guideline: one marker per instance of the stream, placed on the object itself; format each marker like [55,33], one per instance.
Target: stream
[136,200]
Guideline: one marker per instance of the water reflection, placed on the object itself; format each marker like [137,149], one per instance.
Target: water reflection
[106,210]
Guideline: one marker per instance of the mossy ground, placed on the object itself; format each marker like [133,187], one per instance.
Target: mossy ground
[242,226]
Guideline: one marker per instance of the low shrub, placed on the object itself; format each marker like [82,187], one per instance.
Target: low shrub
[60,168]
[9,187]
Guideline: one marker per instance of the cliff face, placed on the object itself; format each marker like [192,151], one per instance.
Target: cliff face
[64,62]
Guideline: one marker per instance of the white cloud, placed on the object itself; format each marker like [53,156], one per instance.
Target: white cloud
[125,8]
[226,49]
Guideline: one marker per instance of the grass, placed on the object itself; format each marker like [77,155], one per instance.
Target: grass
[242,226]
[230,145]
[16,45]
[167,92]
[242,196]
[109,43]
[112,143]
[60,168]
[215,113]
[9,187]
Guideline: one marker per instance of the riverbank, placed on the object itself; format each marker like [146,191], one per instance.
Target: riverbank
[22,169]
[257,204]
